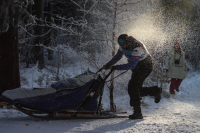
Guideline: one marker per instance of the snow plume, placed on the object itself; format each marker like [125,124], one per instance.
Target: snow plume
[12,13]
[162,21]
[144,28]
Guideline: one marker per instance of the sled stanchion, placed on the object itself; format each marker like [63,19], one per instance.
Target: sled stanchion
[99,70]
[108,74]
[90,95]
[101,93]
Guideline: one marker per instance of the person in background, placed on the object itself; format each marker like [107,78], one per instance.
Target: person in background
[176,66]
[141,64]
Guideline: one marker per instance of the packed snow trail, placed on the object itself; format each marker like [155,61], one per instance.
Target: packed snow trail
[178,114]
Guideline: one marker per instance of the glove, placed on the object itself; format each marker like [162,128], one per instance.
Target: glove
[188,69]
[105,67]
[112,67]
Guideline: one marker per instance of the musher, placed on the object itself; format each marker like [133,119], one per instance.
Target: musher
[141,64]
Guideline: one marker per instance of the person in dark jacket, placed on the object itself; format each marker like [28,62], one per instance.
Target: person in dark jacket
[141,64]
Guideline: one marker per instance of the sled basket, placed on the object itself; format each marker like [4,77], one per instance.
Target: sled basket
[82,92]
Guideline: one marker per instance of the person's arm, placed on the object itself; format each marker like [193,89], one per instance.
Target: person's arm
[130,65]
[186,65]
[115,58]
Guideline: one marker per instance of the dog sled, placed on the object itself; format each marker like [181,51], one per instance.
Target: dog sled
[74,98]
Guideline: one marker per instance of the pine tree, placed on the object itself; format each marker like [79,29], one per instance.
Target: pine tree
[11,14]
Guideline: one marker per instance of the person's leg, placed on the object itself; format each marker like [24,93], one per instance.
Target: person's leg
[172,85]
[140,73]
[134,93]
[178,83]
[152,91]
[133,89]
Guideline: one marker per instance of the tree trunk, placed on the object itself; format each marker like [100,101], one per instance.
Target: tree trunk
[39,51]
[50,35]
[9,60]
[28,51]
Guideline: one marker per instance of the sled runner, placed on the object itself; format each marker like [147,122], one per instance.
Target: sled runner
[74,98]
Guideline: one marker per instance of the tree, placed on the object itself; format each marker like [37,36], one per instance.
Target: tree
[11,15]
[47,41]
[9,65]
[39,50]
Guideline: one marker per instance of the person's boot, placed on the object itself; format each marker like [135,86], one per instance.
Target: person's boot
[177,90]
[173,93]
[137,113]
[158,91]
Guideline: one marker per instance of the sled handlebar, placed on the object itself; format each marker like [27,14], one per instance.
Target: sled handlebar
[107,74]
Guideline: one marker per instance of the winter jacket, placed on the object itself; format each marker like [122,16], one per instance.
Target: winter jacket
[136,52]
[176,64]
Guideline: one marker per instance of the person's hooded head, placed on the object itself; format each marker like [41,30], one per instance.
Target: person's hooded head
[122,39]
[177,46]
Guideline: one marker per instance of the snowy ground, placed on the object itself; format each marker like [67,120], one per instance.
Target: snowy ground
[174,114]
